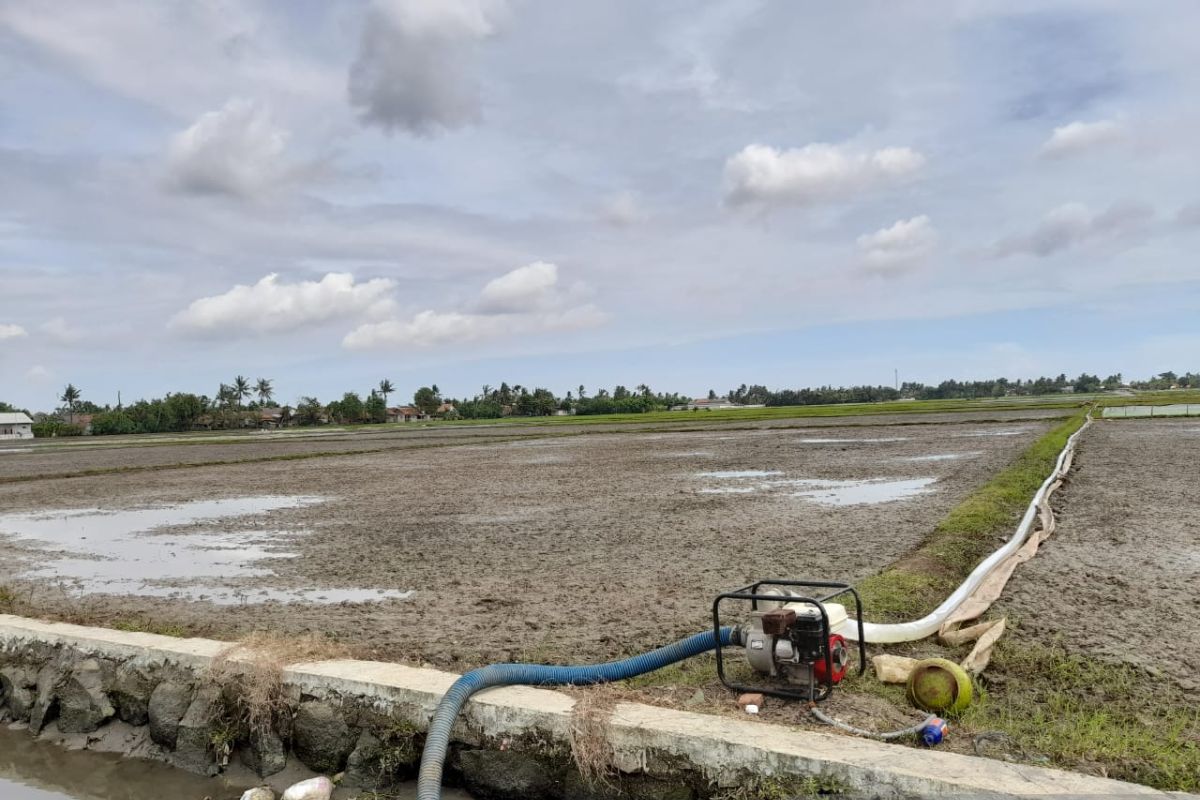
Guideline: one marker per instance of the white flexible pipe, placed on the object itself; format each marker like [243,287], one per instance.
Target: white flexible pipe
[877,633]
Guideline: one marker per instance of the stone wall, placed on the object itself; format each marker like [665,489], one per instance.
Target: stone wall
[155,696]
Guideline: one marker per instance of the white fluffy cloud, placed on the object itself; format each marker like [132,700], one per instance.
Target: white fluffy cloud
[8,331]
[237,150]
[1073,224]
[271,306]
[415,62]
[899,246]
[533,287]
[1077,137]
[525,301]
[761,174]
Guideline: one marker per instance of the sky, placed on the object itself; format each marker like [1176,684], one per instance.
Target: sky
[690,195]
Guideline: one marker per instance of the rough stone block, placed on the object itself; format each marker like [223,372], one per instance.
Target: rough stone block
[132,686]
[264,753]
[83,703]
[196,736]
[17,691]
[321,738]
[168,703]
[45,705]
[508,775]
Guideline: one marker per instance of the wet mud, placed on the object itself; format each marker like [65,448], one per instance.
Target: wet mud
[568,549]
[1120,578]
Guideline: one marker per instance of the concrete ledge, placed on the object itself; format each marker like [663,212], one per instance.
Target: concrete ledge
[726,751]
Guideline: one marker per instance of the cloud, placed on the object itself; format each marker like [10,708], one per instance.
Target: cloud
[237,150]
[760,174]
[38,374]
[8,331]
[270,306]
[414,65]
[622,210]
[533,287]
[1073,224]
[527,300]
[59,331]
[1078,137]
[899,246]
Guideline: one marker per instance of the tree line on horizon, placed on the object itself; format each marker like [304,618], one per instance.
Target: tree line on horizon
[239,403]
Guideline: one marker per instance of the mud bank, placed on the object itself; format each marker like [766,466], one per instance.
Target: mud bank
[150,693]
[1120,579]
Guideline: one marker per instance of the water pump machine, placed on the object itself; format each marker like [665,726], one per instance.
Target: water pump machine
[790,636]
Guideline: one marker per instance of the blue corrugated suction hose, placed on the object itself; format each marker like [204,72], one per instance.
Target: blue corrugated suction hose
[429,781]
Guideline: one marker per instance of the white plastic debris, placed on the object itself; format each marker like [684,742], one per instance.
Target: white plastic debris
[319,788]
[751,708]
[258,793]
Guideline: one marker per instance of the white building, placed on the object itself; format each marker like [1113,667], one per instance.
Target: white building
[15,426]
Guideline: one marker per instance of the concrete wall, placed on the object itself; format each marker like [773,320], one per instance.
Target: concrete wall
[367,718]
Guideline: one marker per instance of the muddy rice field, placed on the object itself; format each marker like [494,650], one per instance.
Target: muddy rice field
[1120,578]
[572,543]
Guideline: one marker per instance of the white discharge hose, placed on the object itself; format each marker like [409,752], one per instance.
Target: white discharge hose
[877,633]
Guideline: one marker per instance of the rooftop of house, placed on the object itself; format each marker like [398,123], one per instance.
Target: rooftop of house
[15,418]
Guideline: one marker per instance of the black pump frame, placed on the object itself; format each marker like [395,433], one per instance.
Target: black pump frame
[815,692]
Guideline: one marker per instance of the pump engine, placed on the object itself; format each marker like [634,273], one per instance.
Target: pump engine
[792,638]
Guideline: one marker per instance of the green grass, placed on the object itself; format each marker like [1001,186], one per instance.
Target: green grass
[793,412]
[147,626]
[1080,712]
[973,529]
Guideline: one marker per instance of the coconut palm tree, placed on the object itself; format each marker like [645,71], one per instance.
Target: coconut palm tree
[386,388]
[241,389]
[70,396]
[486,391]
[264,391]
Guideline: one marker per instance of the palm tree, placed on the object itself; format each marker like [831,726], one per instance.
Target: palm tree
[70,396]
[241,389]
[486,390]
[386,388]
[581,392]
[264,390]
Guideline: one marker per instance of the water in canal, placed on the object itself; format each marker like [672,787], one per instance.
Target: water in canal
[33,770]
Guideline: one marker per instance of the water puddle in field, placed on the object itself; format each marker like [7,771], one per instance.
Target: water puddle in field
[739,473]
[157,552]
[858,493]
[876,440]
[820,490]
[16,450]
[942,456]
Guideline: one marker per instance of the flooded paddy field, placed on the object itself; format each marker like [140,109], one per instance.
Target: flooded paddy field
[568,548]
[69,456]
[1120,578]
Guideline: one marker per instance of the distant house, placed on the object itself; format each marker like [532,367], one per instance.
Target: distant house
[271,417]
[405,414]
[84,421]
[446,408]
[15,425]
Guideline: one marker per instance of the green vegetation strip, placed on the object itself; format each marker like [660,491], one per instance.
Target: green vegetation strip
[1036,697]
[918,583]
